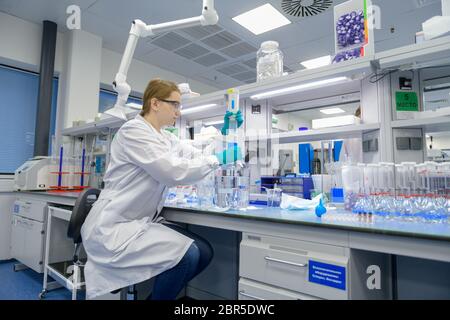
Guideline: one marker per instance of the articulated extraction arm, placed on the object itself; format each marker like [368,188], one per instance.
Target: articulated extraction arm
[140,29]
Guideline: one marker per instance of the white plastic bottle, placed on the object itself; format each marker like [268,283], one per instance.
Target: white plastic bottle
[269,61]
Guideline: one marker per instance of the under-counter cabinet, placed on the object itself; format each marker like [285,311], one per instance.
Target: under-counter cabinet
[281,268]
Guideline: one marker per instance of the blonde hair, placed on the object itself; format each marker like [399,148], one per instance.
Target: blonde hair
[159,89]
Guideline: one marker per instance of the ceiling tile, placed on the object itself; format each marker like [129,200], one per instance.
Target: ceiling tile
[221,40]
[239,50]
[210,60]
[232,69]
[202,32]
[192,51]
[244,75]
[170,41]
[250,63]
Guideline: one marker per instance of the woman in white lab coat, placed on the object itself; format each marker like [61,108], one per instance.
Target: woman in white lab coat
[123,235]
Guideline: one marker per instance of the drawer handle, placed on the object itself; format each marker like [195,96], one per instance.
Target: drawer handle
[302,265]
[250,295]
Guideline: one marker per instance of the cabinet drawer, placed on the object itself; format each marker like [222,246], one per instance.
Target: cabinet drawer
[27,242]
[30,209]
[251,290]
[313,269]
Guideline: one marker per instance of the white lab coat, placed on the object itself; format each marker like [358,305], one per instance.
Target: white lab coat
[123,236]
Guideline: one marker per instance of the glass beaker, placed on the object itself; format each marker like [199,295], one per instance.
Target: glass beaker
[360,204]
[243,187]
[274,197]
[351,181]
[205,189]
[224,191]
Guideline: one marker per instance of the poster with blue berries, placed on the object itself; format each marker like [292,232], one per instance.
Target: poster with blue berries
[353,37]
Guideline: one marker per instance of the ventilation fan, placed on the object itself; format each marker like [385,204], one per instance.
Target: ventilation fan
[305,8]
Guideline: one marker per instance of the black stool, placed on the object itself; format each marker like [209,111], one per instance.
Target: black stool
[79,213]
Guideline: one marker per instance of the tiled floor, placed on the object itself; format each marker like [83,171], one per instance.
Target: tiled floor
[26,285]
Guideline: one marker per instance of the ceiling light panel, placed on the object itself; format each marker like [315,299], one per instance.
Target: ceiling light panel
[317,62]
[262,19]
[332,111]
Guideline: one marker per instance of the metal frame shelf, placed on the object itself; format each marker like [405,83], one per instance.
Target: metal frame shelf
[429,124]
[319,134]
[435,51]
[431,51]
[93,127]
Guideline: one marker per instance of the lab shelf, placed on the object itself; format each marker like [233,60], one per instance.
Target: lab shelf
[428,124]
[319,134]
[58,271]
[97,126]
[353,70]
[432,52]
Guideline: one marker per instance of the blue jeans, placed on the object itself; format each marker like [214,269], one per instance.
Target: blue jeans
[169,283]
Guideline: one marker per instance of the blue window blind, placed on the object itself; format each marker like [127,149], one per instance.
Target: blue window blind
[18,108]
[107,99]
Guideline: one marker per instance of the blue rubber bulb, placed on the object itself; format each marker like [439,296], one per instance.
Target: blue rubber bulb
[320,209]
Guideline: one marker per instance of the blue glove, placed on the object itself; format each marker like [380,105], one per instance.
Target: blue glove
[239,119]
[226,121]
[230,155]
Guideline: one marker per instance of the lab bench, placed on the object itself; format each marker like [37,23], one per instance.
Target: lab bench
[269,253]
[281,251]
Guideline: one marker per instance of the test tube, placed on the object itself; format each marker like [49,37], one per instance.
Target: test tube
[370,177]
[409,173]
[430,178]
[383,178]
[440,172]
[372,184]
[399,179]
[447,179]
[361,204]
[390,172]
[420,178]
[360,172]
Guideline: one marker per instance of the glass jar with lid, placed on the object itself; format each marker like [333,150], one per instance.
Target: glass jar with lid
[269,61]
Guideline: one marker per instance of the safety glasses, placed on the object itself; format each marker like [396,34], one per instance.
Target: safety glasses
[175,104]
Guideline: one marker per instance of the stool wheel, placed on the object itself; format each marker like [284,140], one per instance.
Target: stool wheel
[42,294]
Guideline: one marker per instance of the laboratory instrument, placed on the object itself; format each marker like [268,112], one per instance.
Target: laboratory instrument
[33,175]
[232,187]
[233,117]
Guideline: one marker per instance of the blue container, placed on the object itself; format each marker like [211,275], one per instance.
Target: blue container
[337,195]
